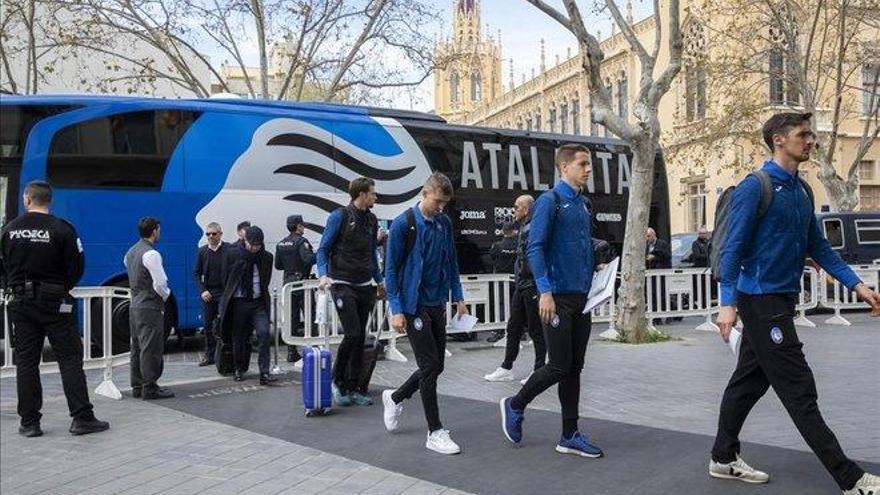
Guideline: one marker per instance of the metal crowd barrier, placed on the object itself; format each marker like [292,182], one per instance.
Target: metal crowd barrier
[84,297]
[834,295]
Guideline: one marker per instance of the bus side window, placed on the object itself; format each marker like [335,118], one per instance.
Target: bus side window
[834,232]
[868,231]
[129,150]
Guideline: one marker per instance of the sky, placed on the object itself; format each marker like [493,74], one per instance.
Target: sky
[522,26]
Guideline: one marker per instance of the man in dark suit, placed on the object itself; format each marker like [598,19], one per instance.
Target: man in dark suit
[657,251]
[210,273]
[245,303]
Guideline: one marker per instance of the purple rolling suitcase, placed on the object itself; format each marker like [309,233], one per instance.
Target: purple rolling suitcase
[317,377]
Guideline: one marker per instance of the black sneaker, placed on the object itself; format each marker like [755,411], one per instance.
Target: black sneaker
[158,393]
[136,392]
[85,426]
[292,354]
[266,378]
[239,376]
[30,431]
[206,361]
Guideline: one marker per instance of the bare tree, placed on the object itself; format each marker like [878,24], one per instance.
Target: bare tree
[813,56]
[306,49]
[643,135]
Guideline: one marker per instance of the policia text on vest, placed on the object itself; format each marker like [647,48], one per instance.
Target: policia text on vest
[41,260]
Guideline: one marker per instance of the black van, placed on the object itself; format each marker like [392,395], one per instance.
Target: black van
[855,235]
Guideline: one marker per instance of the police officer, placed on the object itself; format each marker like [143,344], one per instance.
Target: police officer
[561,257]
[761,267]
[295,257]
[524,303]
[42,260]
[503,254]
[348,259]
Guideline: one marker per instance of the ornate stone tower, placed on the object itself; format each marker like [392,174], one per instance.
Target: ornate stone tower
[468,70]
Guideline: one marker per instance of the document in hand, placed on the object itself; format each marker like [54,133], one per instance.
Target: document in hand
[603,285]
[734,341]
[465,322]
[322,314]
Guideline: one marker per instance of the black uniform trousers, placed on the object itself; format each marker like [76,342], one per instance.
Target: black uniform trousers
[779,362]
[147,346]
[32,321]
[524,315]
[249,315]
[427,336]
[566,347]
[353,305]
[210,311]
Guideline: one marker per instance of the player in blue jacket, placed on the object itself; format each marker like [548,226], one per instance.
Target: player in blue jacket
[560,253]
[762,262]
[418,285]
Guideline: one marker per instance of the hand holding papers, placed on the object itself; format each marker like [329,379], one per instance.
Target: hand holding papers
[603,285]
[463,322]
[734,340]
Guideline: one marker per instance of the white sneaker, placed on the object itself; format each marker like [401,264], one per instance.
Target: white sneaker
[737,470]
[524,380]
[392,411]
[868,484]
[439,441]
[500,375]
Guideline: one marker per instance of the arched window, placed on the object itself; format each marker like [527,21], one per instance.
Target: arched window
[455,87]
[552,118]
[576,115]
[476,87]
[538,120]
[563,117]
[622,95]
[695,91]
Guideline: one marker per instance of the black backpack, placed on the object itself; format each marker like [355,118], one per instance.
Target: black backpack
[722,214]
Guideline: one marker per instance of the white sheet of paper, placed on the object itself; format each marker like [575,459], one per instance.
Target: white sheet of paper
[466,322]
[603,285]
[734,341]
[321,311]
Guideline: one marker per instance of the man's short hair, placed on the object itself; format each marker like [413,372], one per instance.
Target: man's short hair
[567,152]
[438,182]
[360,185]
[242,226]
[781,123]
[146,226]
[215,226]
[39,192]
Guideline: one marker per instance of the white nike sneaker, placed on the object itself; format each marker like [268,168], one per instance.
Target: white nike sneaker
[737,470]
[524,380]
[500,375]
[440,442]
[868,484]
[392,411]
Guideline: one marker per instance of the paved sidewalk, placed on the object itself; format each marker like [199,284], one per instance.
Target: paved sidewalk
[674,386]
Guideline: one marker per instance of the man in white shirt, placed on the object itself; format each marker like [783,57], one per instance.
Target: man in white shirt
[149,291]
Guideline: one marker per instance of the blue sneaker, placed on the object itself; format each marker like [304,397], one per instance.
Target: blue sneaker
[341,399]
[578,444]
[511,421]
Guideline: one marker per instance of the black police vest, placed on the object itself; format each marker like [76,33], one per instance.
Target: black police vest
[523,272]
[351,258]
[287,252]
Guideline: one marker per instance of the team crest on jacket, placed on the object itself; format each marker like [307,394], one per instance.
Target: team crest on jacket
[776,335]
[417,323]
[339,303]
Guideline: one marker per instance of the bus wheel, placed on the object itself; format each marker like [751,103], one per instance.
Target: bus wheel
[121,338]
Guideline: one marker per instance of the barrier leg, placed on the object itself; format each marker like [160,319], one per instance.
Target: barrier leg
[802,320]
[392,353]
[107,388]
[448,354]
[837,319]
[708,325]
[610,334]
[502,342]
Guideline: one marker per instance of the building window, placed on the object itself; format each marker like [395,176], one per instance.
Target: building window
[538,121]
[528,123]
[696,200]
[455,87]
[563,118]
[476,87]
[866,170]
[576,116]
[695,92]
[129,150]
[783,91]
[622,96]
[594,127]
[869,198]
[552,119]
[870,87]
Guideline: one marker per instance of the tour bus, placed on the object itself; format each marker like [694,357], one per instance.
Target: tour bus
[112,160]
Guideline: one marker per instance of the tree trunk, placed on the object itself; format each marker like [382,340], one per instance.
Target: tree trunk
[631,323]
[260,21]
[843,195]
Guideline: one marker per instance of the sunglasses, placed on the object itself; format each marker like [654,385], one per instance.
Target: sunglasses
[211,234]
